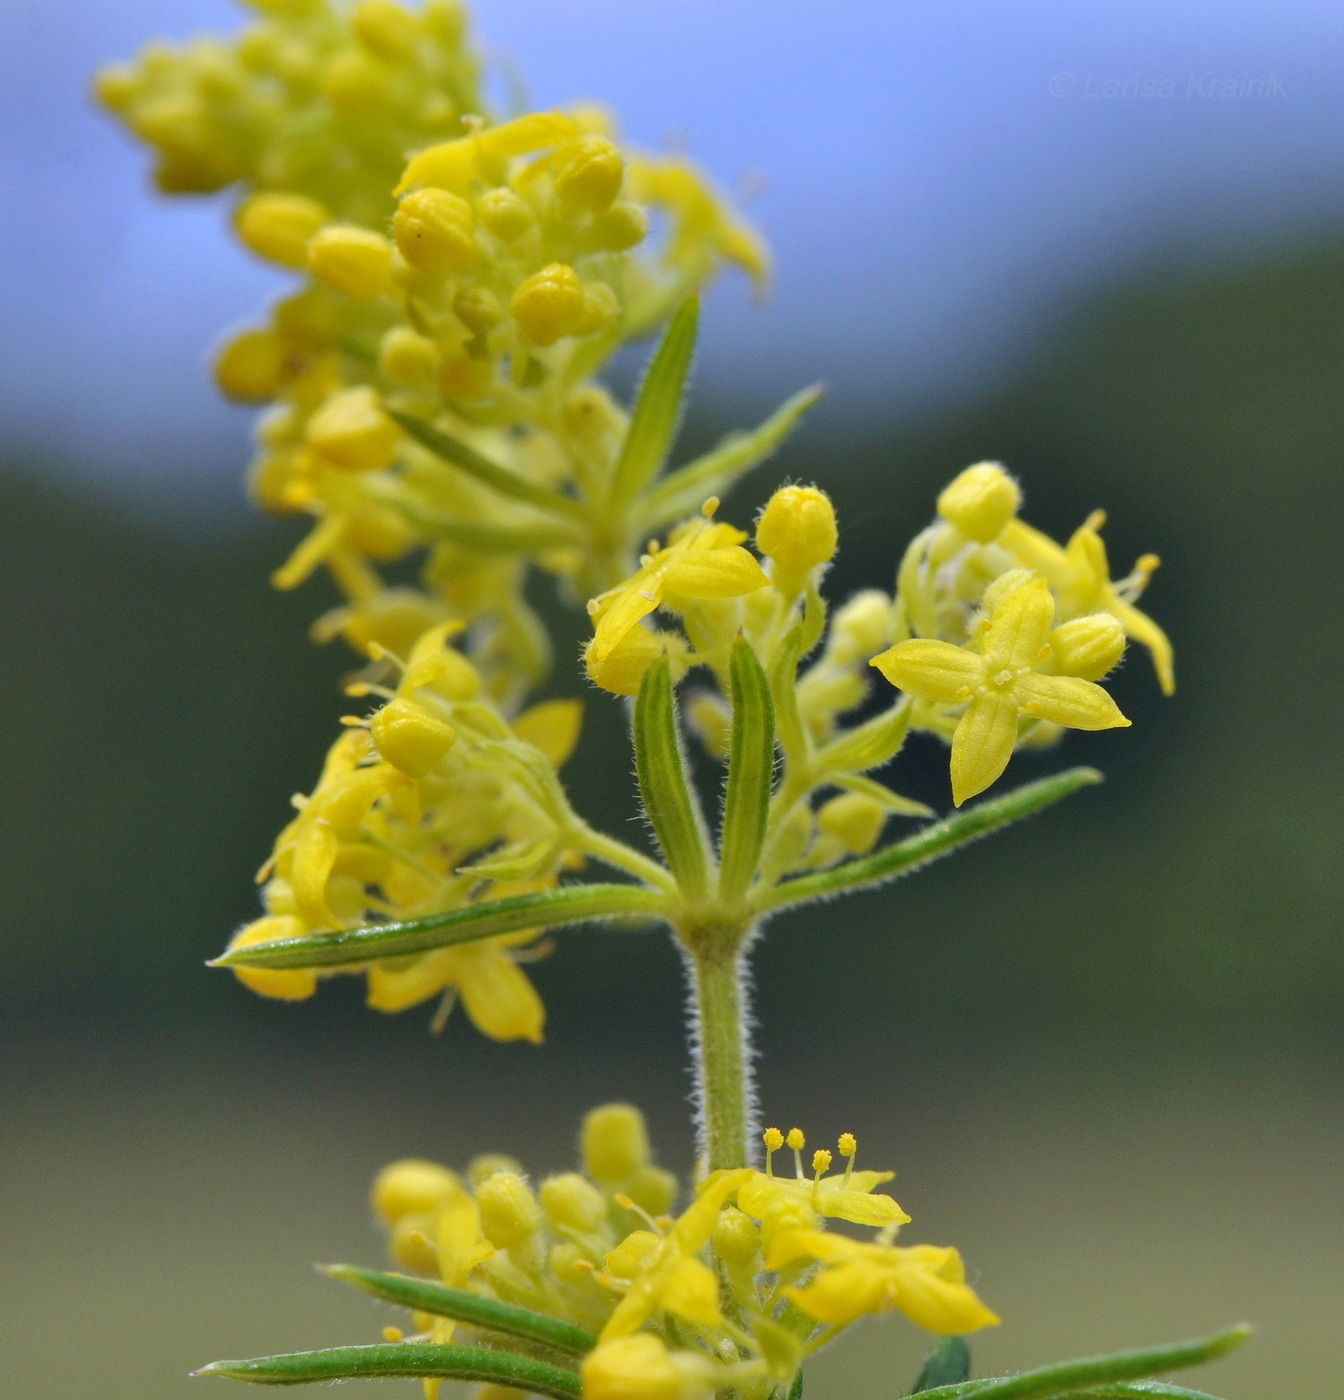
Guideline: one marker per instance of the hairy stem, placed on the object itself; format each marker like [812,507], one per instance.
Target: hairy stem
[720,1045]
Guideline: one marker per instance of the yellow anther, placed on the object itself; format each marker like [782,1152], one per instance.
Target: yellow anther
[355,261]
[709,507]
[433,229]
[278,226]
[393,1334]
[773,1139]
[821,1162]
[549,304]
[980,501]
[796,1140]
[848,1144]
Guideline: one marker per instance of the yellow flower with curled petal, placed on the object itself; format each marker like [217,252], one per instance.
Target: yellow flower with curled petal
[926,1282]
[670,1276]
[999,683]
[703,559]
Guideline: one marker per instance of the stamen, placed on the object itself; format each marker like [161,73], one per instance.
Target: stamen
[443,1011]
[393,1334]
[709,507]
[626,1203]
[849,1148]
[653,547]
[797,1142]
[1095,521]
[773,1140]
[821,1164]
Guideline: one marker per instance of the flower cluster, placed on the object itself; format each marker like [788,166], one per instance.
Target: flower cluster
[734,1292]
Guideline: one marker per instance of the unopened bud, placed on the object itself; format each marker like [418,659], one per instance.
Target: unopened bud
[797,530]
[433,229]
[482,1168]
[1088,647]
[615,1142]
[352,431]
[633,1252]
[355,261]
[854,820]
[278,226]
[652,1189]
[573,1201]
[507,215]
[640,1367]
[737,1240]
[980,501]
[411,1246]
[510,1215]
[591,172]
[251,367]
[860,628]
[384,28]
[412,1187]
[619,228]
[410,738]
[549,304]
[408,357]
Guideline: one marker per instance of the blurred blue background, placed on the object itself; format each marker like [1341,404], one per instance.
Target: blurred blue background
[1104,243]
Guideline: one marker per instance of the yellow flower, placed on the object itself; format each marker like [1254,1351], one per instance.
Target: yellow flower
[844,1196]
[671,1277]
[998,684]
[926,1282]
[642,1368]
[703,559]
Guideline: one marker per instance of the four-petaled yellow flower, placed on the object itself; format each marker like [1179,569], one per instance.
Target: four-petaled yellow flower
[998,684]
[926,1282]
[702,560]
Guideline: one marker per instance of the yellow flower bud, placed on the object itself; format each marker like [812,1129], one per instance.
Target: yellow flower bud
[615,1142]
[433,229]
[797,530]
[412,1187]
[600,308]
[355,83]
[573,1201]
[622,670]
[619,228]
[591,172]
[737,1240]
[652,1189]
[462,379]
[711,721]
[478,309]
[251,367]
[355,261]
[980,501]
[308,320]
[507,215]
[510,1215]
[549,304]
[1089,646]
[860,628]
[591,414]
[352,431]
[853,819]
[410,738]
[408,357]
[291,985]
[633,1252]
[384,28]
[482,1168]
[412,1246]
[640,1367]
[278,226]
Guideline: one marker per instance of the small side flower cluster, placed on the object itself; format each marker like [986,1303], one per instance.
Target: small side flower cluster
[735,1292]
[477,289]
[406,801]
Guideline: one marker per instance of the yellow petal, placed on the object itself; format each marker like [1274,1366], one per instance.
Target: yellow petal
[931,670]
[631,603]
[393,989]
[931,1291]
[792,1245]
[715,573]
[692,1231]
[691,1291]
[1065,700]
[553,727]
[983,744]
[500,1000]
[859,1207]
[848,1291]
[1019,627]
[1146,632]
[292,985]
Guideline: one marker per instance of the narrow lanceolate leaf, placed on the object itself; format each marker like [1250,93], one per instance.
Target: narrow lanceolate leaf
[683,491]
[653,424]
[751,772]
[467,459]
[571,904]
[390,1360]
[660,767]
[1067,1377]
[784,693]
[868,745]
[947,1363]
[1140,1390]
[427,1296]
[934,840]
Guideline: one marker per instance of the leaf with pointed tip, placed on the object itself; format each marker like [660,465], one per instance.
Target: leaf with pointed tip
[947,1363]
[934,840]
[426,1296]
[657,412]
[475,464]
[1065,1378]
[751,773]
[660,767]
[570,904]
[685,490]
[389,1360]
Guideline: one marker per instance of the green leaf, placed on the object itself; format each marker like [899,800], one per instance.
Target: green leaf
[671,809]
[1140,1390]
[784,692]
[751,773]
[933,841]
[684,491]
[1066,1377]
[427,1296]
[868,745]
[796,1389]
[393,1359]
[467,459]
[653,424]
[947,1363]
[570,904]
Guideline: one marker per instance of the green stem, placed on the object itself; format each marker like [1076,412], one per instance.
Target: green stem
[622,857]
[721,1049]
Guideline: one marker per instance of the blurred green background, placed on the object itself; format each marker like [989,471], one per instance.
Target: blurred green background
[1102,1049]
